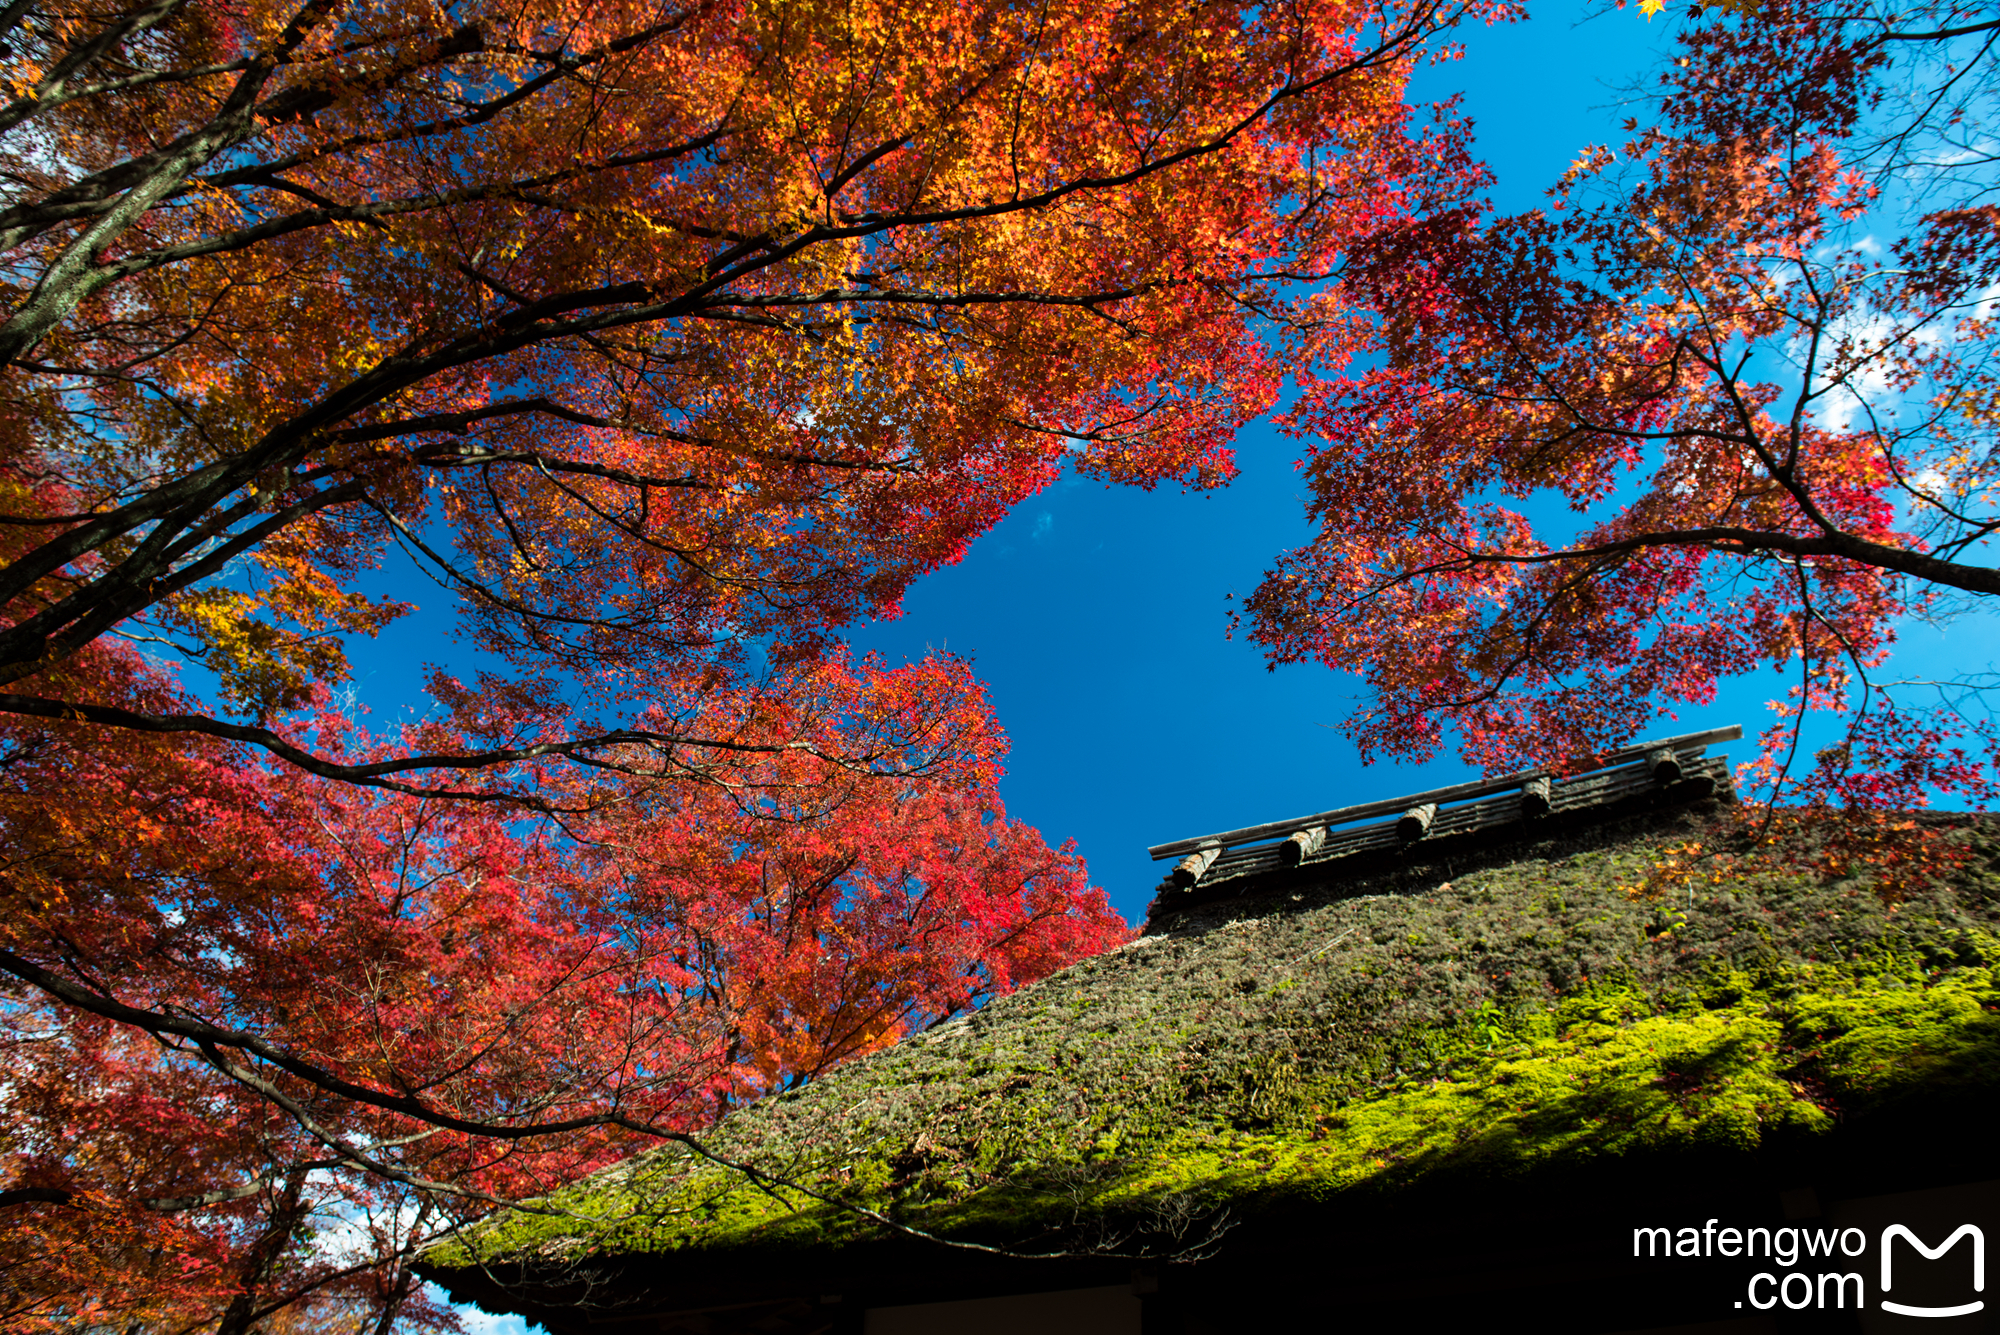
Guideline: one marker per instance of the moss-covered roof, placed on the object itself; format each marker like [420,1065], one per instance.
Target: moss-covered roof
[1444,1014]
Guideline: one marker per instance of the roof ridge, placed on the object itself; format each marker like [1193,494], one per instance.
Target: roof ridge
[1695,742]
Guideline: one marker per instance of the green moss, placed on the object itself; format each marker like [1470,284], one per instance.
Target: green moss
[1527,1016]
[1608,1076]
[1610,1084]
[1878,1040]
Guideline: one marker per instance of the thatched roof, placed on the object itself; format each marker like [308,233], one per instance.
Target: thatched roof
[1318,1051]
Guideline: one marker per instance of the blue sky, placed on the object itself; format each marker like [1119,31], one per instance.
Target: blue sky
[1097,616]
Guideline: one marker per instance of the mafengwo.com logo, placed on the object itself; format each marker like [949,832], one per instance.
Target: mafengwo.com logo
[1830,1269]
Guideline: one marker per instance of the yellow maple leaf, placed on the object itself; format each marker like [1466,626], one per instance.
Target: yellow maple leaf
[1651,7]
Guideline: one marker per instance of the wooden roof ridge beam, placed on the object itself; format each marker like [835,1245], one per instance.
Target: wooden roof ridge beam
[1437,796]
[1193,866]
[1302,845]
[1536,799]
[1591,789]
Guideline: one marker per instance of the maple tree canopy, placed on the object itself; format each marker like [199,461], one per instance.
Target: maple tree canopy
[649,330]
[270,1008]
[1727,403]
[669,338]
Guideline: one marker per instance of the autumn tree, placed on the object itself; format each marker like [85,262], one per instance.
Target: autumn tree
[650,331]
[285,1031]
[669,339]
[1726,403]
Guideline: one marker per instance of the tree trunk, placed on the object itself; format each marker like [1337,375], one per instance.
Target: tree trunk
[287,1213]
